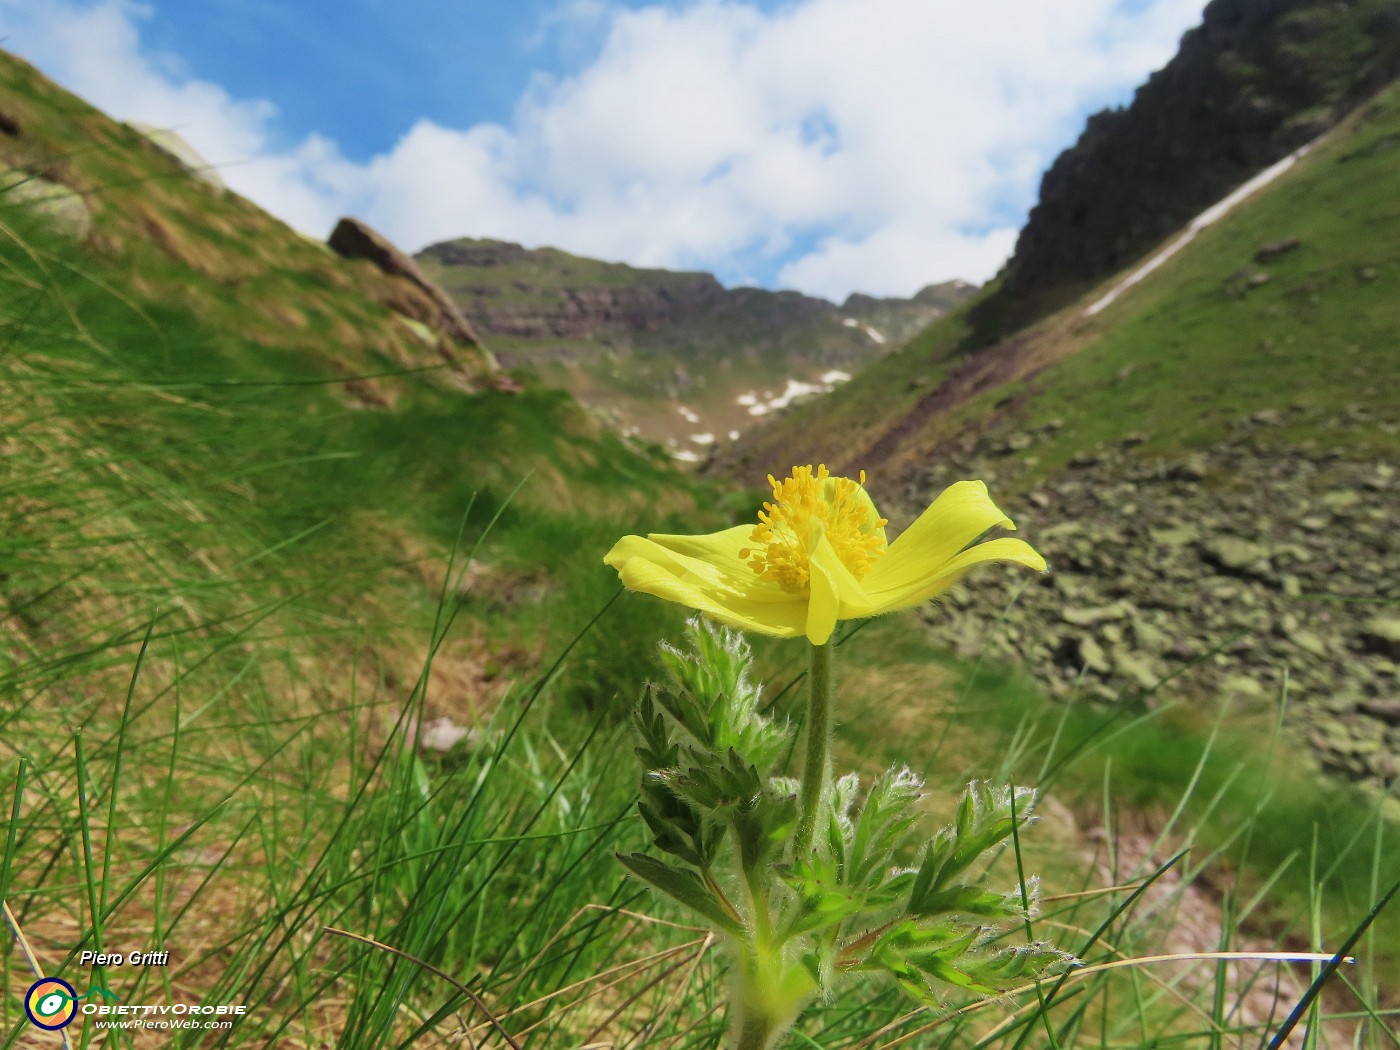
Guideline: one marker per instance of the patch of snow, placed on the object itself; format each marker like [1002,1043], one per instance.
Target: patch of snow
[795,388]
[733,435]
[686,456]
[876,336]
[747,399]
[687,414]
[850,322]
[1200,222]
[703,439]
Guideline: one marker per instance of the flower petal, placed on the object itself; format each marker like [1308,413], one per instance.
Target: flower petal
[852,599]
[961,514]
[823,606]
[709,560]
[785,619]
[918,589]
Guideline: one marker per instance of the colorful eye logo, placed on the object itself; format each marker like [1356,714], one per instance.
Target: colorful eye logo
[51,1004]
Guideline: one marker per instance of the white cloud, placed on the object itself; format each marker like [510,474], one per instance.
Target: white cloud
[883,138]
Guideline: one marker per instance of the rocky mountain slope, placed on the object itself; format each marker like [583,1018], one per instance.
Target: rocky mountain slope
[674,357]
[1253,82]
[1208,462]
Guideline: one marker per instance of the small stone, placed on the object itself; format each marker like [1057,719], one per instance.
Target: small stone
[1267,253]
[1060,530]
[1268,417]
[1243,686]
[1193,468]
[1309,643]
[1236,556]
[1081,653]
[1096,615]
[1258,279]
[1313,523]
[1149,638]
[1175,535]
[1040,499]
[1339,703]
[1138,669]
[1366,274]
[1381,634]
[1388,711]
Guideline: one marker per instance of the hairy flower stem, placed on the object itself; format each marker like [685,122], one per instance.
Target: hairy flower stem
[816,765]
[755,1033]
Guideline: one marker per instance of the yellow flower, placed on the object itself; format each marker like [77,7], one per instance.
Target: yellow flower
[819,555]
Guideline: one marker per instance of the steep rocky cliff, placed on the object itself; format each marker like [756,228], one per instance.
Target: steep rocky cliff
[1254,81]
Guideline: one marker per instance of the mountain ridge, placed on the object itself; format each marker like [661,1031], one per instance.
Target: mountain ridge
[670,356]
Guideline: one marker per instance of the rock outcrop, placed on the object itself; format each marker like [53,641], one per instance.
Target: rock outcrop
[547,294]
[412,294]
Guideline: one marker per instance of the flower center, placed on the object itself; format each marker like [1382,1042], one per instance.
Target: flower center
[807,506]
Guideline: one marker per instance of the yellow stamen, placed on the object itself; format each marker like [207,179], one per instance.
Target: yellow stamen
[807,506]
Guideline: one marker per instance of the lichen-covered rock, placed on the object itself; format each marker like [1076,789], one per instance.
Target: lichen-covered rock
[181,152]
[64,207]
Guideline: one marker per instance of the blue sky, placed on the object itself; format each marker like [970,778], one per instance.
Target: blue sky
[829,145]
